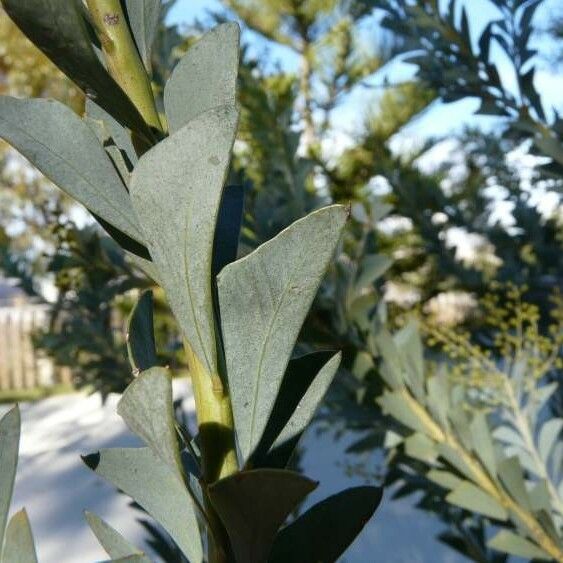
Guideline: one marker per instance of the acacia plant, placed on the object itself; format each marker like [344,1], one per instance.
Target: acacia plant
[155,182]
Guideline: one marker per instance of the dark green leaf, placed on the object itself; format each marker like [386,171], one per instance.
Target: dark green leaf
[326,530]
[254,504]
[140,334]
[227,230]
[303,386]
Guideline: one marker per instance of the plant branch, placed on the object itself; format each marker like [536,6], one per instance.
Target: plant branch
[122,57]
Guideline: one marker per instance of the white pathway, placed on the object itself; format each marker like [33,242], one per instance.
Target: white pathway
[55,486]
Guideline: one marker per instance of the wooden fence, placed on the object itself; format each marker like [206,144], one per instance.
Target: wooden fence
[21,366]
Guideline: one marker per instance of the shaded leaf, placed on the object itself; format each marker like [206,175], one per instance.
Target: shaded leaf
[139,473]
[205,77]
[264,298]
[176,190]
[254,504]
[227,230]
[140,334]
[112,541]
[67,151]
[19,546]
[326,530]
[304,384]
[120,136]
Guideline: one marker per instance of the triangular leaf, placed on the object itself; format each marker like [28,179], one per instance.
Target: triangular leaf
[67,151]
[140,334]
[176,190]
[254,504]
[304,384]
[206,77]
[325,531]
[114,544]
[549,434]
[510,473]
[139,473]
[509,542]
[482,443]
[59,28]
[472,498]
[409,342]
[264,298]
[147,408]
[19,546]
[371,269]
[9,446]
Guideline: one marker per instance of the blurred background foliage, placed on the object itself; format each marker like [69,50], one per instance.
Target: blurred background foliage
[443,296]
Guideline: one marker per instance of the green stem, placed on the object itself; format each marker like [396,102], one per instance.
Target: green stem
[217,443]
[215,422]
[123,60]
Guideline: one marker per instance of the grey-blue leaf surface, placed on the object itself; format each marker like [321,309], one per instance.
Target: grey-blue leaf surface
[206,77]
[120,135]
[147,408]
[55,140]
[9,446]
[114,544]
[264,298]
[143,19]
[176,190]
[139,473]
[19,546]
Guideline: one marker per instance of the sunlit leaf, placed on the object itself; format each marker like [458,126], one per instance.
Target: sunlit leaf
[176,190]
[205,77]
[264,298]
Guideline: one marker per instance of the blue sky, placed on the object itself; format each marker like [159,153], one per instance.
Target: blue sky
[441,119]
